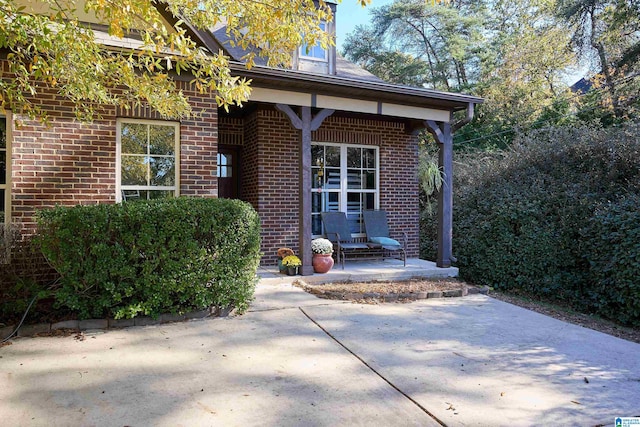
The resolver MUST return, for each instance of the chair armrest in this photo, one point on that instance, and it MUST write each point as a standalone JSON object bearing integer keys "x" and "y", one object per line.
{"x": 335, "y": 241}
{"x": 405, "y": 239}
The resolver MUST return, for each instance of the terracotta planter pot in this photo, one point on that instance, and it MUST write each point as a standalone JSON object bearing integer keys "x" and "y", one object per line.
{"x": 322, "y": 263}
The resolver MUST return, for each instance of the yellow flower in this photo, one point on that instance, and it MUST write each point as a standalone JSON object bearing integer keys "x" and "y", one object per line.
{"x": 291, "y": 261}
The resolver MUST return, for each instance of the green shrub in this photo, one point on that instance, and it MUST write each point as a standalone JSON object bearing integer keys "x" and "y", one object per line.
{"x": 612, "y": 248}
{"x": 150, "y": 257}
{"x": 520, "y": 217}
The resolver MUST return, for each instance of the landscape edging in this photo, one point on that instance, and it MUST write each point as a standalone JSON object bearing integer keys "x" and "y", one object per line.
{"x": 93, "y": 324}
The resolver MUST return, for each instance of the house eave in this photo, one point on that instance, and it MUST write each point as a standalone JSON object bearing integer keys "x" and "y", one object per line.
{"x": 275, "y": 78}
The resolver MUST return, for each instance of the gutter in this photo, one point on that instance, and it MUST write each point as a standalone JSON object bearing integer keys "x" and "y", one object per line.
{"x": 261, "y": 72}
{"x": 470, "y": 112}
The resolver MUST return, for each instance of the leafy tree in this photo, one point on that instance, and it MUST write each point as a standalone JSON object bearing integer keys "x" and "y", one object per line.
{"x": 49, "y": 47}
{"x": 607, "y": 34}
{"x": 522, "y": 82}
{"x": 442, "y": 43}
{"x": 366, "y": 48}
{"x": 512, "y": 53}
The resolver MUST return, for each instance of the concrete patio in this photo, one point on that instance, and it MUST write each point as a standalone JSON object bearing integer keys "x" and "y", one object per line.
{"x": 364, "y": 271}
{"x": 294, "y": 359}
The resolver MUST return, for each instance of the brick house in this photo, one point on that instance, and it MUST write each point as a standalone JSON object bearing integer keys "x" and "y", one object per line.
{"x": 325, "y": 135}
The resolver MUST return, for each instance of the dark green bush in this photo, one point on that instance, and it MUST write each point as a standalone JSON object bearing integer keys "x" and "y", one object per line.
{"x": 150, "y": 257}
{"x": 612, "y": 248}
{"x": 520, "y": 217}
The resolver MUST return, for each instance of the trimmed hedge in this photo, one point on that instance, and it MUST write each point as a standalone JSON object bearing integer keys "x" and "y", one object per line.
{"x": 151, "y": 257}
{"x": 555, "y": 216}
{"x": 612, "y": 249}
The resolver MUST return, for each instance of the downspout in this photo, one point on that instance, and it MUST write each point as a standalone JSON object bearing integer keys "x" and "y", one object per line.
{"x": 467, "y": 119}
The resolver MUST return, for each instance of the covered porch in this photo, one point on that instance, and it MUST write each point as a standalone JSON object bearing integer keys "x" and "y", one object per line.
{"x": 364, "y": 271}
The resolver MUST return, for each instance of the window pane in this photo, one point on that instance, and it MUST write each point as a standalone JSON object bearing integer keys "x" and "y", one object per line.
{"x": 369, "y": 158}
{"x": 155, "y": 194}
{"x": 354, "y": 180}
{"x": 353, "y": 202}
{"x": 332, "y": 179}
{"x": 354, "y": 157}
{"x": 225, "y": 172}
{"x": 3, "y": 132}
{"x": 370, "y": 201}
{"x": 162, "y": 171}
{"x": 317, "y": 155}
{"x": 317, "y": 178}
{"x": 162, "y": 140}
{"x": 129, "y": 195}
{"x": 316, "y": 51}
{"x": 2, "y": 218}
{"x": 134, "y": 170}
{"x": 333, "y": 203}
{"x": 316, "y": 225}
{"x": 225, "y": 159}
{"x": 369, "y": 180}
{"x": 160, "y": 194}
{"x": 325, "y": 202}
{"x": 134, "y": 138}
{"x": 3, "y": 167}
{"x": 332, "y": 156}
{"x": 316, "y": 202}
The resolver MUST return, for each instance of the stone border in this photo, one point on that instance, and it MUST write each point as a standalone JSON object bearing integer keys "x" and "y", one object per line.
{"x": 83, "y": 325}
{"x": 391, "y": 297}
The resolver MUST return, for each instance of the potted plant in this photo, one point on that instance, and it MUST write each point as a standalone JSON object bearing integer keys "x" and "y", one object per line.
{"x": 322, "y": 259}
{"x": 292, "y": 263}
{"x": 282, "y": 254}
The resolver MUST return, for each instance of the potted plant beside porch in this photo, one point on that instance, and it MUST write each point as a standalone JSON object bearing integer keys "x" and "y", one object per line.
{"x": 292, "y": 263}
{"x": 322, "y": 255}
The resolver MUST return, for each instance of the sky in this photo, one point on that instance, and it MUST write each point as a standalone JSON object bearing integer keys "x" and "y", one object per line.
{"x": 350, "y": 14}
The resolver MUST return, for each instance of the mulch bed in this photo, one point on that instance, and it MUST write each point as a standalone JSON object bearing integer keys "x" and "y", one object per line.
{"x": 379, "y": 292}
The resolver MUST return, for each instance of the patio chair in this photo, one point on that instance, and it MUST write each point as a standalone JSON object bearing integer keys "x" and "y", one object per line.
{"x": 337, "y": 231}
{"x": 377, "y": 228}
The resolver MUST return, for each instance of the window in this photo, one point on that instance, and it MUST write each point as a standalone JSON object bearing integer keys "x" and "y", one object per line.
{"x": 5, "y": 170}
{"x": 225, "y": 165}
{"x": 344, "y": 178}
{"x": 147, "y": 159}
{"x": 315, "y": 52}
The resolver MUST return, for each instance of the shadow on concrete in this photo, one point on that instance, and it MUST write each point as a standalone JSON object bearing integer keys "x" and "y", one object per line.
{"x": 479, "y": 361}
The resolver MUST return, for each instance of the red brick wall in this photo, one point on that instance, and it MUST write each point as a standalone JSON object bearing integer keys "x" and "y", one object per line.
{"x": 70, "y": 163}
{"x": 270, "y": 179}
{"x": 249, "y": 163}
{"x": 270, "y": 173}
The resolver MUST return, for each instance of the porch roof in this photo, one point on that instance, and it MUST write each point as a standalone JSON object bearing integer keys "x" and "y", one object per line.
{"x": 364, "y": 89}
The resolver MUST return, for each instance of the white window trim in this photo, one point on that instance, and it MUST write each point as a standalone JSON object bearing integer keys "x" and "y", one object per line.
{"x": 7, "y": 186}
{"x": 344, "y": 177}
{"x": 176, "y": 187}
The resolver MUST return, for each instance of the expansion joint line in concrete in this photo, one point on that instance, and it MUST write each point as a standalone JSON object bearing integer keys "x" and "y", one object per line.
{"x": 422, "y": 408}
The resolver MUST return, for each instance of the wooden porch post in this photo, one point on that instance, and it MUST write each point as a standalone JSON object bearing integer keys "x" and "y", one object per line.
{"x": 444, "y": 137}
{"x": 306, "y": 124}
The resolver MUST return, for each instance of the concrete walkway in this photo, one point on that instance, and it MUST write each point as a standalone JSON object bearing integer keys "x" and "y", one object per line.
{"x": 297, "y": 360}
{"x": 364, "y": 271}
